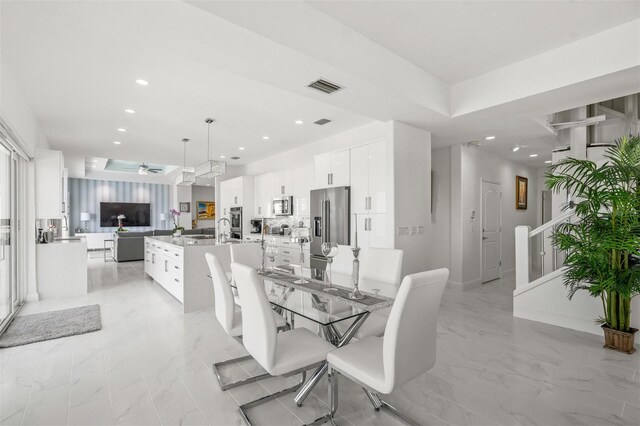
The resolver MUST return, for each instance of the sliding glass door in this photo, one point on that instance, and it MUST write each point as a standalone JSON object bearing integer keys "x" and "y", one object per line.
{"x": 8, "y": 282}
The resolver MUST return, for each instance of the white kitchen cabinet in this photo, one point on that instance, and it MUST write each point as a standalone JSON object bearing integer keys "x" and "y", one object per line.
{"x": 369, "y": 178}
{"x": 373, "y": 231}
{"x": 261, "y": 199}
{"x": 236, "y": 192}
{"x": 50, "y": 185}
{"x": 281, "y": 183}
{"x": 332, "y": 169}
{"x": 302, "y": 182}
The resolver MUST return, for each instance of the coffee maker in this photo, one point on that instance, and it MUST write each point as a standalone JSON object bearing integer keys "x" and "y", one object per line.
{"x": 256, "y": 226}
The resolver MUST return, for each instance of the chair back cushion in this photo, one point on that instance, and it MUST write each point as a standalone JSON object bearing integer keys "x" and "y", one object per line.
{"x": 224, "y": 302}
{"x": 258, "y": 323}
{"x": 248, "y": 254}
{"x": 343, "y": 261}
{"x": 382, "y": 264}
{"x": 409, "y": 346}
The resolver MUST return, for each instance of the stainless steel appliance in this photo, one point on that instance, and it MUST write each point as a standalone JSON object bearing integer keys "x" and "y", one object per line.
{"x": 330, "y": 213}
{"x": 282, "y": 206}
{"x": 236, "y": 223}
{"x": 256, "y": 226}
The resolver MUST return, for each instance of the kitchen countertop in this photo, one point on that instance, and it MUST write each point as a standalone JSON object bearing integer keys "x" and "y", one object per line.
{"x": 66, "y": 241}
{"x": 187, "y": 241}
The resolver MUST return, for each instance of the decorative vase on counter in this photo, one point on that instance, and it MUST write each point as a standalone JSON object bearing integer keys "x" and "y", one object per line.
{"x": 177, "y": 232}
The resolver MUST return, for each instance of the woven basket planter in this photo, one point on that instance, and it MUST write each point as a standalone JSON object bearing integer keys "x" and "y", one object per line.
{"x": 619, "y": 340}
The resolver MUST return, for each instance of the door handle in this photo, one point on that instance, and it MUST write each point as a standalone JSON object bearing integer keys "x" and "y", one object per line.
{"x": 165, "y": 266}
{"x": 484, "y": 238}
{"x": 282, "y": 190}
{"x": 259, "y": 210}
{"x": 327, "y": 224}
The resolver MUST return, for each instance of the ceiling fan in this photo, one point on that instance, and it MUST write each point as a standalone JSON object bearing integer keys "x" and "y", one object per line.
{"x": 143, "y": 169}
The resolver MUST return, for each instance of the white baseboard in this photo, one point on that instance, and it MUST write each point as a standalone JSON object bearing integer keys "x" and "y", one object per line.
{"x": 467, "y": 285}
{"x": 539, "y": 315}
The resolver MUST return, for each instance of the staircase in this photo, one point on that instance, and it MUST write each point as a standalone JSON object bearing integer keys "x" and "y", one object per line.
{"x": 540, "y": 294}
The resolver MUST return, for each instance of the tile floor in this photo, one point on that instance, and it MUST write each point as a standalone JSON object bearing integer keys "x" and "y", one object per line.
{"x": 150, "y": 364}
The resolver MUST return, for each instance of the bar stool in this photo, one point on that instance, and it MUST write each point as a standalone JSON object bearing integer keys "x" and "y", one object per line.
{"x": 229, "y": 316}
{"x": 281, "y": 354}
{"x": 407, "y": 351}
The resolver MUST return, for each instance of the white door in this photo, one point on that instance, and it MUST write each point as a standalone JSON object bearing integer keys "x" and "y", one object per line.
{"x": 287, "y": 182}
{"x": 491, "y": 229}
{"x": 6, "y": 249}
{"x": 359, "y": 179}
{"x": 378, "y": 233}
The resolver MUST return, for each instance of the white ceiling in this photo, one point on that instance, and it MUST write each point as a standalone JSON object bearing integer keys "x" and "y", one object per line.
{"x": 247, "y": 65}
{"x": 458, "y": 40}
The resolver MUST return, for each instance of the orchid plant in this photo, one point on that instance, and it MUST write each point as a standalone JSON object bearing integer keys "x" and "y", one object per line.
{"x": 175, "y": 215}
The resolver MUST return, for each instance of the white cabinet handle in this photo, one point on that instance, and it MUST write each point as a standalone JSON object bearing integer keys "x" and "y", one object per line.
{"x": 259, "y": 210}
{"x": 166, "y": 266}
{"x": 328, "y": 178}
{"x": 282, "y": 190}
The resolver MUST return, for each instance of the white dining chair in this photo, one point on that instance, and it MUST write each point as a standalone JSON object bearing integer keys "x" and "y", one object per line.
{"x": 280, "y": 354}
{"x": 249, "y": 254}
{"x": 407, "y": 351}
{"x": 229, "y": 316}
{"x": 343, "y": 261}
{"x": 384, "y": 266}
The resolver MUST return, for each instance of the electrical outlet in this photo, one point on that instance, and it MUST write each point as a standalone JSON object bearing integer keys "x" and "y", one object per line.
{"x": 420, "y": 230}
{"x": 413, "y": 230}
{"x": 403, "y": 231}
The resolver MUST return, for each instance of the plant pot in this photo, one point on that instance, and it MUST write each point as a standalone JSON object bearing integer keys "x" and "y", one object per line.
{"x": 177, "y": 233}
{"x": 619, "y": 340}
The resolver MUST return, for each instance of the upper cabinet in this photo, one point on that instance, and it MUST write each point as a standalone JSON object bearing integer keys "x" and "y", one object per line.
{"x": 369, "y": 178}
{"x": 302, "y": 183}
{"x": 51, "y": 185}
{"x": 332, "y": 169}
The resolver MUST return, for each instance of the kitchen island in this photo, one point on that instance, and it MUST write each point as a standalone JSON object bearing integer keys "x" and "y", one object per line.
{"x": 179, "y": 266}
{"x": 61, "y": 268}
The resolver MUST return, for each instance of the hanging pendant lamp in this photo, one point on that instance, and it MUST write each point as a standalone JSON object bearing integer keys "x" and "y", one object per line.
{"x": 210, "y": 168}
{"x": 187, "y": 177}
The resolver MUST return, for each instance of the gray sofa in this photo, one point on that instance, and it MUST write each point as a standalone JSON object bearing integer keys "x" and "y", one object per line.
{"x": 130, "y": 245}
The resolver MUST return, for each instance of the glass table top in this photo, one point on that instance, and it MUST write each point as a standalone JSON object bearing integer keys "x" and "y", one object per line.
{"x": 312, "y": 301}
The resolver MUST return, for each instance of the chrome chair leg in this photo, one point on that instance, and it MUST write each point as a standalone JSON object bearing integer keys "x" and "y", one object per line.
{"x": 244, "y": 407}
{"x": 378, "y": 404}
{"x": 225, "y": 386}
{"x": 332, "y": 376}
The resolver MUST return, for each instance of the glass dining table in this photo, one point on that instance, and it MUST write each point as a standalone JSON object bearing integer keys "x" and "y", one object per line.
{"x": 326, "y": 306}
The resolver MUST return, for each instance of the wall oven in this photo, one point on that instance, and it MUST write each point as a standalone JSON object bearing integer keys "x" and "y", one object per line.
{"x": 236, "y": 223}
{"x": 282, "y": 206}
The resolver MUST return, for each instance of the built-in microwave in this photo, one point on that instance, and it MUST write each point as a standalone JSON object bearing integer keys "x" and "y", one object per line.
{"x": 282, "y": 206}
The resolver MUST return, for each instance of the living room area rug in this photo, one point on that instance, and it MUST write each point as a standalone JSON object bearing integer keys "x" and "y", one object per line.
{"x": 51, "y": 325}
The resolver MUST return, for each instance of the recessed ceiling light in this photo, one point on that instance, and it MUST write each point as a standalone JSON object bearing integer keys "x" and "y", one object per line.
{"x": 515, "y": 148}
{"x": 130, "y": 111}
{"x": 208, "y": 184}
{"x": 489, "y": 138}
{"x": 241, "y": 148}
{"x": 548, "y": 162}
{"x": 117, "y": 142}
{"x": 223, "y": 156}
{"x": 142, "y": 82}
{"x": 299, "y": 122}
{"x": 94, "y": 161}
{"x": 533, "y": 155}
{"x": 122, "y": 130}
{"x": 94, "y": 166}
{"x": 266, "y": 138}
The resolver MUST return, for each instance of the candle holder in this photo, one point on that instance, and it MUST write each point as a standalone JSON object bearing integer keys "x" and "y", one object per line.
{"x": 355, "y": 275}
{"x": 301, "y": 235}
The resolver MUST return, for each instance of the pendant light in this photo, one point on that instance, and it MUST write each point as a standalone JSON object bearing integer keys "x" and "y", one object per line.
{"x": 210, "y": 168}
{"x": 187, "y": 177}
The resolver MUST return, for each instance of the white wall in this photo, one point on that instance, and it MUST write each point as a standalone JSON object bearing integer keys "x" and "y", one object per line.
{"x": 469, "y": 167}
{"x": 202, "y": 193}
{"x": 440, "y": 241}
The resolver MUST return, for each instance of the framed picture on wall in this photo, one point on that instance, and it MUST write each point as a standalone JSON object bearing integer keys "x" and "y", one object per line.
{"x": 206, "y": 210}
{"x": 522, "y": 189}
{"x": 185, "y": 207}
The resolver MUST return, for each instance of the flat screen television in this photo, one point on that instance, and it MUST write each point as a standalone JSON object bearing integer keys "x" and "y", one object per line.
{"x": 135, "y": 214}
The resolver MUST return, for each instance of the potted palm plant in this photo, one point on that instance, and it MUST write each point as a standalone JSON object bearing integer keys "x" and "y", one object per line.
{"x": 603, "y": 244}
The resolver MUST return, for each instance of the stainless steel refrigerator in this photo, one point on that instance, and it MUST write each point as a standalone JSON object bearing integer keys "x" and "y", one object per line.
{"x": 330, "y": 213}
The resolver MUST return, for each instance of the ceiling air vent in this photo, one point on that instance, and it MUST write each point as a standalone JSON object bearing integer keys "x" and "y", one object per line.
{"x": 322, "y": 122}
{"x": 324, "y": 86}
{"x": 235, "y": 158}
